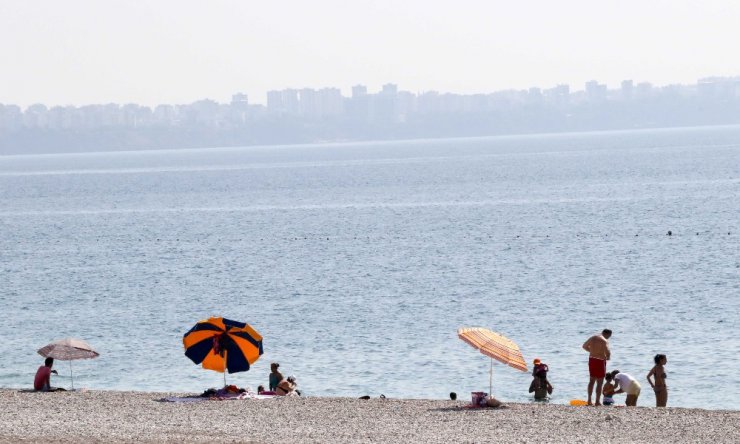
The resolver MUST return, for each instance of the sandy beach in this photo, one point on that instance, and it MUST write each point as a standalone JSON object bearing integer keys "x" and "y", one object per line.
{"x": 107, "y": 416}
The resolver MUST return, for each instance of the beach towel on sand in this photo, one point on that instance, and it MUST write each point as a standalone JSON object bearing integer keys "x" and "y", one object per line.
{"x": 220, "y": 397}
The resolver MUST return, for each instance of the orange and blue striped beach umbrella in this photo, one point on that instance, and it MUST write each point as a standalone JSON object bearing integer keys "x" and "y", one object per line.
{"x": 223, "y": 345}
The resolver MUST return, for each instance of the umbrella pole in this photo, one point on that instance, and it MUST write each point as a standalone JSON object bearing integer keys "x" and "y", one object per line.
{"x": 226, "y": 367}
{"x": 490, "y": 380}
{"x": 71, "y": 375}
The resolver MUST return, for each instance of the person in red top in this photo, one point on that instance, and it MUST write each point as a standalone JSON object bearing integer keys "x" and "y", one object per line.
{"x": 42, "y": 381}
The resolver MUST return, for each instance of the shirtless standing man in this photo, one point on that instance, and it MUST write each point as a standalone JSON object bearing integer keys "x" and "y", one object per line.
{"x": 597, "y": 347}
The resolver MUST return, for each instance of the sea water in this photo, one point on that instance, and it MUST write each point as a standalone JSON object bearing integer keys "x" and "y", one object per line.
{"x": 359, "y": 262}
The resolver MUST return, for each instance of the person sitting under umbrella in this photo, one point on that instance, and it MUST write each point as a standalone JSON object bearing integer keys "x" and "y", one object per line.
{"x": 42, "y": 381}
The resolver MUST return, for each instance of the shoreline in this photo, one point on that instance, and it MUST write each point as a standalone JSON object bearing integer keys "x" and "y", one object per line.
{"x": 119, "y": 416}
{"x": 360, "y": 141}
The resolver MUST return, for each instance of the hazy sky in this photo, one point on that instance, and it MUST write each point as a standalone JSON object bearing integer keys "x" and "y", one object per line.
{"x": 177, "y": 51}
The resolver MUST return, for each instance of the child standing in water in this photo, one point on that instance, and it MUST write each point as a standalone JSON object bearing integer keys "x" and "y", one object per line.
{"x": 540, "y": 385}
{"x": 659, "y": 386}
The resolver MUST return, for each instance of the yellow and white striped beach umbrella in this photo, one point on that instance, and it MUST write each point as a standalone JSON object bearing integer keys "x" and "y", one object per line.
{"x": 495, "y": 346}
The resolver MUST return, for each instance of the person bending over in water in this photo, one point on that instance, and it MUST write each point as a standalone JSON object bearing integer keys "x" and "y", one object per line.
{"x": 42, "y": 381}
{"x": 659, "y": 386}
{"x": 597, "y": 347}
{"x": 627, "y": 384}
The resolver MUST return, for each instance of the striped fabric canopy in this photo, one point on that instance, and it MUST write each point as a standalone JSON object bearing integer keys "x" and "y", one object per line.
{"x": 494, "y": 345}
{"x": 223, "y": 345}
{"x": 68, "y": 349}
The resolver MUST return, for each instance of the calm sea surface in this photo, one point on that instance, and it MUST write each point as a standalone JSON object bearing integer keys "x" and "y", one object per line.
{"x": 358, "y": 262}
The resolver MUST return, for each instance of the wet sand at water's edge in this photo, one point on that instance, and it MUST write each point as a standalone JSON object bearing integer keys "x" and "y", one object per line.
{"x": 108, "y": 416}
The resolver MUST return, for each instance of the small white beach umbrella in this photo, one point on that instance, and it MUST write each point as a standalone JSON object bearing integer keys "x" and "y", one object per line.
{"x": 68, "y": 349}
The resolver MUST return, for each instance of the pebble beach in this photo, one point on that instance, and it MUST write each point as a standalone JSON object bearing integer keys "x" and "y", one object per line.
{"x": 111, "y": 416}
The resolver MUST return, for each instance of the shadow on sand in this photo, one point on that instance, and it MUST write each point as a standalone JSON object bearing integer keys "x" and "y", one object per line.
{"x": 467, "y": 408}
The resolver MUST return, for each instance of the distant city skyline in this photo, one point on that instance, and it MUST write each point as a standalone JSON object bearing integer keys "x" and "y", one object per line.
{"x": 80, "y": 52}
{"x": 593, "y": 86}
{"x": 308, "y": 115}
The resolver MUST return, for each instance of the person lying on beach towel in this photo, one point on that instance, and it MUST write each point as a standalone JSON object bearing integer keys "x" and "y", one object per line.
{"x": 227, "y": 393}
{"x": 492, "y": 402}
{"x": 481, "y": 399}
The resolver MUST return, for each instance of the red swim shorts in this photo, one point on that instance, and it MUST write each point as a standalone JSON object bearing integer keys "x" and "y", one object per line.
{"x": 596, "y": 367}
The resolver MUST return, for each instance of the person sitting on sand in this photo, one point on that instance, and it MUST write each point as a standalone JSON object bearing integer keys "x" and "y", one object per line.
{"x": 275, "y": 376}
{"x": 287, "y": 387}
{"x": 42, "y": 381}
{"x": 540, "y": 385}
{"x": 659, "y": 386}
{"x": 627, "y": 384}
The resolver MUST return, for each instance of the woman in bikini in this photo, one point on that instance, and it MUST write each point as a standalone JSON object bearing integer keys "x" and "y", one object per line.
{"x": 275, "y": 376}
{"x": 659, "y": 387}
